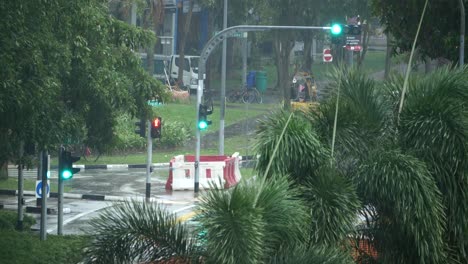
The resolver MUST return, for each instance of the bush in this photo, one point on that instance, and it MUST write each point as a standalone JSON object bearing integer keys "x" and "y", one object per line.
{"x": 8, "y": 220}
{"x": 174, "y": 134}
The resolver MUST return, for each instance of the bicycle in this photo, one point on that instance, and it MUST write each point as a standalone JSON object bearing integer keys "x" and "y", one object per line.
{"x": 248, "y": 95}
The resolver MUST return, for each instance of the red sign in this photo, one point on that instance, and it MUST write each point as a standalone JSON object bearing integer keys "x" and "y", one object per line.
{"x": 353, "y": 48}
{"x": 327, "y": 57}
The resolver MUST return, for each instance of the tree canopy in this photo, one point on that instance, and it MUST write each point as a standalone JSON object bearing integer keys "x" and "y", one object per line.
{"x": 440, "y": 32}
{"x": 68, "y": 69}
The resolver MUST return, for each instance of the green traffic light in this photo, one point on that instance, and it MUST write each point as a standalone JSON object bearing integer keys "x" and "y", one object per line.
{"x": 66, "y": 175}
{"x": 202, "y": 125}
{"x": 336, "y": 29}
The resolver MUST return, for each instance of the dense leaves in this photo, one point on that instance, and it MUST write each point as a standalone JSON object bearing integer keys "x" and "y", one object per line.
{"x": 300, "y": 152}
{"x": 68, "y": 70}
{"x": 409, "y": 209}
{"x": 251, "y": 222}
{"x": 135, "y": 231}
{"x": 440, "y": 32}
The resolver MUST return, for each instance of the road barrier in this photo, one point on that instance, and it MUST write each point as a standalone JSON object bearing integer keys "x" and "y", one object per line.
{"x": 221, "y": 171}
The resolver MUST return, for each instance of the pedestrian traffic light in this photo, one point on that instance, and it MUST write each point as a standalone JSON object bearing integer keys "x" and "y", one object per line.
{"x": 336, "y": 31}
{"x": 141, "y": 128}
{"x": 156, "y": 127}
{"x": 66, "y": 160}
{"x": 204, "y": 111}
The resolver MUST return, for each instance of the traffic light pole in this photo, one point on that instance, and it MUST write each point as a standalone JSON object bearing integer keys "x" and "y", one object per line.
{"x": 19, "y": 223}
{"x": 43, "y": 168}
{"x": 206, "y": 52}
{"x": 60, "y": 195}
{"x": 149, "y": 159}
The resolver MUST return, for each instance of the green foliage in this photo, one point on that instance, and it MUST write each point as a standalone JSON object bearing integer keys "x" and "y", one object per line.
{"x": 8, "y": 220}
{"x": 300, "y": 152}
{"x": 312, "y": 256}
{"x": 434, "y": 126}
{"x": 24, "y": 247}
{"x": 175, "y": 134}
{"x": 69, "y": 82}
{"x": 364, "y": 118}
{"x": 333, "y": 203}
{"x": 441, "y": 27}
{"x": 241, "y": 230}
{"x": 410, "y": 219}
{"x": 132, "y": 231}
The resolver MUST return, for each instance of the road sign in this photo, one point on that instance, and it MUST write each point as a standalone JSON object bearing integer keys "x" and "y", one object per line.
{"x": 353, "y": 48}
{"x": 39, "y": 189}
{"x": 327, "y": 56}
{"x": 353, "y": 40}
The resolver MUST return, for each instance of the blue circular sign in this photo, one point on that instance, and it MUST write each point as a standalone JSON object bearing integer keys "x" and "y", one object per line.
{"x": 39, "y": 189}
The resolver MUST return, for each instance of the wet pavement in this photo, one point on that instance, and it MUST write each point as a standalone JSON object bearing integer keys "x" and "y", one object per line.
{"x": 119, "y": 185}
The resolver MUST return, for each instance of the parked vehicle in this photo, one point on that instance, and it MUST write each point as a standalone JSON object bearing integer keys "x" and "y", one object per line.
{"x": 171, "y": 64}
{"x": 161, "y": 63}
{"x": 190, "y": 72}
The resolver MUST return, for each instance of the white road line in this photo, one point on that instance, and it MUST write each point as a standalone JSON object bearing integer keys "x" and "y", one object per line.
{"x": 184, "y": 208}
{"x": 74, "y": 218}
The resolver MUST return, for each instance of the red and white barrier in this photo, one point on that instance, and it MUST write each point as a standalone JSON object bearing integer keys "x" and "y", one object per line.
{"x": 222, "y": 171}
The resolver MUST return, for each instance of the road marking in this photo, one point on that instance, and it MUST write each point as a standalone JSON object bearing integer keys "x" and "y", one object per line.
{"x": 74, "y": 218}
{"x": 186, "y": 216}
{"x": 184, "y": 208}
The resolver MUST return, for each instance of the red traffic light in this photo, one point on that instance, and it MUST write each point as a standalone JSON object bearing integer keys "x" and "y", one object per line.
{"x": 156, "y": 122}
{"x": 156, "y": 127}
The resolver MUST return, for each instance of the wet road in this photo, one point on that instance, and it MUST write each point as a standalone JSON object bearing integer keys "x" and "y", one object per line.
{"x": 117, "y": 184}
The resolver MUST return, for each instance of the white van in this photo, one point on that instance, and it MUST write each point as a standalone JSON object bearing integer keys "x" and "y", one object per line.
{"x": 190, "y": 73}
{"x": 161, "y": 63}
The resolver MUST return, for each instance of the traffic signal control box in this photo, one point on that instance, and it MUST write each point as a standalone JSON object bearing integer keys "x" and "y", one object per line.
{"x": 141, "y": 128}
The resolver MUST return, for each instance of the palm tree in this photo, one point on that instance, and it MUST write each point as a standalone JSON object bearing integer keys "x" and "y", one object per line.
{"x": 256, "y": 221}
{"x": 409, "y": 174}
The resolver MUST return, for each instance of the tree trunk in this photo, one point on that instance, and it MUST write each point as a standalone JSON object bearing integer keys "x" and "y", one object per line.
{"x": 388, "y": 56}
{"x": 365, "y": 44}
{"x": 4, "y": 171}
{"x": 308, "y": 51}
{"x": 283, "y": 47}
{"x": 183, "y": 39}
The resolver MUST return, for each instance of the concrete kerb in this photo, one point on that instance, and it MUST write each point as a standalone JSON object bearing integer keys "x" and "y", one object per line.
{"x": 117, "y": 167}
{"x": 94, "y": 197}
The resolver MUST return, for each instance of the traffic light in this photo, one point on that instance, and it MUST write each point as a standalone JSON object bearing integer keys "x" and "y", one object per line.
{"x": 336, "y": 31}
{"x": 204, "y": 111}
{"x": 352, "y": 30}
{"x": 156, "y": 127}
{"x": 66, "y": 160}
{"x": 141, "y": 128}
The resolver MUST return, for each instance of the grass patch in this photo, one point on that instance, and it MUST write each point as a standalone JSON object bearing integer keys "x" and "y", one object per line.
{"x": 26, "y": 247}
{"x": 29, "y": 185}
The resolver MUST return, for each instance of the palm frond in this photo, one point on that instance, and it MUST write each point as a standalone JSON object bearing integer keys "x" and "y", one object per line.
{"x": 364, "y": 118}
{"x": 333, "y": 204}
{"x": 242, "y": 231}
{"x": 434, "y": 126}
{"x": 311, "y": 256}
{"x": 133, "y": 231}
{"x": 410, "y": 222}
{"x": 299, "y": 153}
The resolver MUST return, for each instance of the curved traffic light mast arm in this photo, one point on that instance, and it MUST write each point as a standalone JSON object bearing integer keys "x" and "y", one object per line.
{"x": 206, "y": 52}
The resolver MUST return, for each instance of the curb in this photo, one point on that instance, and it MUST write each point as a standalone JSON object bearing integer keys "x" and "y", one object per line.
{"x": 92, "y": 197}
{"x": 129, "y": 166}
{"x": 65, "y": 195}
